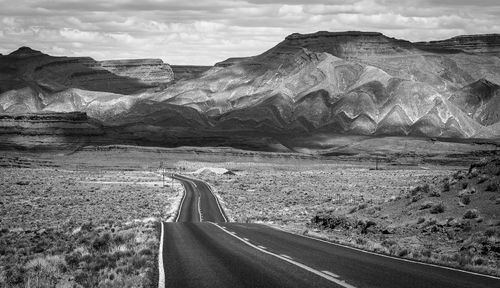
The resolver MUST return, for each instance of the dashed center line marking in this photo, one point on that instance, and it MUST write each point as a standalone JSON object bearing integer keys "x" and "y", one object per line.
{"x": 330, "y": 273}
{"x": 286, "y": 256}
{"x": 293, "y": 262}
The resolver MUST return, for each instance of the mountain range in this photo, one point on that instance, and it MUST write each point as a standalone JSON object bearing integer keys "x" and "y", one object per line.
{"x": 324, "y": 83}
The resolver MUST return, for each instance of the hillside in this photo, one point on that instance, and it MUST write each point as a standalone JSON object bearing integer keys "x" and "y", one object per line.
{"x": 336, "y": 83}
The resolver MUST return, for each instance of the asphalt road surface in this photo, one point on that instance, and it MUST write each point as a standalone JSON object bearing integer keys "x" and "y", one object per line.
{"x": 201, "y": 249}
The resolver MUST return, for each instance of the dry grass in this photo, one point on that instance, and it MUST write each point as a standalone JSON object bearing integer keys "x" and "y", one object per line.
{"x": 78, "y": 225}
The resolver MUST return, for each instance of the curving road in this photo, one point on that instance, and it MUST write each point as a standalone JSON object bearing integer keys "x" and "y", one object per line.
{"x": 203, "y": 250}
{"x": 199, "y": 203}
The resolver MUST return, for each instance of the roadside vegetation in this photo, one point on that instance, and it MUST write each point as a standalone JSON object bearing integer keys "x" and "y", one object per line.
{"x": 443, "y": 215}
{"x": 80, "y": 225}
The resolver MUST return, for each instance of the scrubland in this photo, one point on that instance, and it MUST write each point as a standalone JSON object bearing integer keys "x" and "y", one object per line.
{"x": 67, "y": 223}
{"x": 90, "y": 219}
{"x": 447, "y": 215}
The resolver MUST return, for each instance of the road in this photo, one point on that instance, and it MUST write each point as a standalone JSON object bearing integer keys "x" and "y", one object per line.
{"x": 201, "y": 249}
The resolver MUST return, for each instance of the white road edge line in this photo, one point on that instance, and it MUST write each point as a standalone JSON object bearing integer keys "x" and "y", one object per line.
{"x": 300, "y": 265}
{"x": 161, "y": 269}
{"x": 386, "y": 256}
{"x": 180, "y": 206}
{"x": 199, "y": 209}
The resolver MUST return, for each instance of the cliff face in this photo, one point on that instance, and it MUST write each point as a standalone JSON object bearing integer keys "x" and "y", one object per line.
{"x": 47, "y": 130}
{"x": 149, "y": 71}
{"x": 187, "y": 72}
{"x": 48, "y": 74}
{"x": 486, "y": 44}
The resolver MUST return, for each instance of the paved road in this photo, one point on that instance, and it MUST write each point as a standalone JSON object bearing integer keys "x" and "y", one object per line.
{"x": 199, "y": 203}
{"x": 214, "y": 253}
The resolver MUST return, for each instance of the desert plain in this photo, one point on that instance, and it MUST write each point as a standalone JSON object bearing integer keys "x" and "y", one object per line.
{"x": 91, "y": 217}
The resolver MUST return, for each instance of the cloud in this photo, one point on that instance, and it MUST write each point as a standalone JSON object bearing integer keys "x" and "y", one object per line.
{"x": 208, "y": 31}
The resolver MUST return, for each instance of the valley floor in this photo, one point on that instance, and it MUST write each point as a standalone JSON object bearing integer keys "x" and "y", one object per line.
{"x": 92, "y": 214}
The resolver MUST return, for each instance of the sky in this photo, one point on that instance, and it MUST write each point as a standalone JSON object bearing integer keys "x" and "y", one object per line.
{"x": 203, "y": 32}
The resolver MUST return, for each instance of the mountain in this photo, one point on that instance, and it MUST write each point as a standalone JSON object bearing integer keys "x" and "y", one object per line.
{"x": 47, "y": 74}
{"x": 324, "y": 83}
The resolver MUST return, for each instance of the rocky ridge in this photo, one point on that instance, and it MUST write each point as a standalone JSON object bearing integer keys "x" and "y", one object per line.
{"x": 348, "y": 83}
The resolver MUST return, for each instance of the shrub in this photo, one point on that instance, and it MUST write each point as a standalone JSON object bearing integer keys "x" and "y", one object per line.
{"x": 435, "y": 193}
{"x": 490, "y": 232}
{"x": 403, "y": 252}
{"x": 362, "y": 206}
{"x": 465, "y": 199}
{"x": 464, "y": 185}
{"x": 427, "y": 253}
{"x": 417, "y": 197}
{"x": 482, "y": 179}
{"x": 426, "y": 205}
{"x": 420, "y": 220}
{"x": 458, "y": 175}
{"x": 438, "y": 208}
{"x": 463, "y": 259}
{"x": 446, "y": 186}
{"x": 73, "y": 259}
{"x": 102, "y": 243}
{"x": 44, "y": 272}
{"x": 471, "y": 214}
{"x": 492, "y": 187}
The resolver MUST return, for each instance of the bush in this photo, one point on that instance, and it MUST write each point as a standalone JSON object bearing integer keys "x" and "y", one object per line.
{"x": 426, "y": 205}
{"x": 438, "y": 208}
{"x": 490, "y": 232}
{"x": 471, "y": 214}
{"x": 332, "y": 221}
{"x": 482, "y": 179}
{"x": 427, "y": 253}
{"x": 463, "y": 260}
{"x": 403, "y": 252}
{"x": 102, "y": 243}
{"x": 446, "y": 187}
{"x": 73, "y": 259}
{"x": 417, "y": 197}
{"x": 465, "y": 199}
{"x": 492, "y": 187}
{"x": 420, "y": 220}
{"x": 435, "y": 193}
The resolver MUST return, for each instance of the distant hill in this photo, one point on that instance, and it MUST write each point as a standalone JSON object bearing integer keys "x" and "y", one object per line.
{"x": 348, "y": 83}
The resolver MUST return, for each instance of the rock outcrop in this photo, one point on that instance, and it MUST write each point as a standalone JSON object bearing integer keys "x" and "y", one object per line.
{"x": 149, "y": 71}
{"x": 47, "y": 130}
{"x": 486, "y": 44}
{"x": 47, "y": 74}
{"x": 187, "y": 72}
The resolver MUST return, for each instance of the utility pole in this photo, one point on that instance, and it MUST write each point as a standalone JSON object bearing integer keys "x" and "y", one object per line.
{"x": 162, "y": 173}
